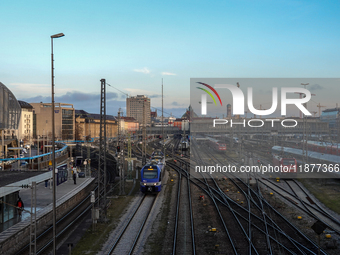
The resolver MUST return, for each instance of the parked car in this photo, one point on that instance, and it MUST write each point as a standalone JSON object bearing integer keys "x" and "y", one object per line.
{"x": 81, "y": 175}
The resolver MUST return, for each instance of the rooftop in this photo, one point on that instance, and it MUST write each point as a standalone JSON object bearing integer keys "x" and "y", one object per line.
{"x": 331, "y": 110}
{"x": 25, "y": 105}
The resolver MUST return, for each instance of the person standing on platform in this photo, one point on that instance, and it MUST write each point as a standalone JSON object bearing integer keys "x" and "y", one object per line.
{"x": 74, "y": 177}
{"x": 20, "y": 206}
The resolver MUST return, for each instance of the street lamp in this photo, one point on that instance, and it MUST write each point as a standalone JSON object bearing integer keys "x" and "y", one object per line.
{"x": 53, "y": 145}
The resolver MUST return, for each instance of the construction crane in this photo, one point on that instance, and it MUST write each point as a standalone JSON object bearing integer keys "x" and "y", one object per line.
{"x": 319, "y": 106}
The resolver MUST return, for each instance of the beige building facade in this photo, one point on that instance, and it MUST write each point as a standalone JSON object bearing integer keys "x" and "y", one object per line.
{"x": 64, "y": 115}
{"x": 88, "y": 125}
{"x": 136, "y": 106}
{"x": 25, "y": 129}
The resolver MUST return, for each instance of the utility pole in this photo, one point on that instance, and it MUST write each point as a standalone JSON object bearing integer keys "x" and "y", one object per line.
{"x": 102, "y": 151}
{"x": 3, "y": 149}
{"x": 129, "y": 157}
{"x": 120, "y": 160}
{"x": 163, "y": 149}
{"x": 337, "y": 130}
{"x": 88, "y": 156}
{"x": 144, "y": 135}
{"x": 304, "y": 144}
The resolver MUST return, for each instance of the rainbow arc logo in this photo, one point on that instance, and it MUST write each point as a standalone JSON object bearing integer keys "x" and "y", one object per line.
{"x": 209, "y": 93}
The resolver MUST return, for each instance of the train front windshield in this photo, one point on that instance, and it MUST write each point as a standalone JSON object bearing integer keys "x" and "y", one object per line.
{"x": 288, "y": 162}
{"x": 157, "y": 154}
{"x": 150, "y": 174}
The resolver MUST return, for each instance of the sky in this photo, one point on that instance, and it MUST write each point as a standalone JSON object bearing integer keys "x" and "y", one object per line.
{"x": 136, "y": 44}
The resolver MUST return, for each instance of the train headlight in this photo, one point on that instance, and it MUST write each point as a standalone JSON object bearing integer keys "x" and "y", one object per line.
{"x": 155, "y": 184}
{"x": 144, "y": 184}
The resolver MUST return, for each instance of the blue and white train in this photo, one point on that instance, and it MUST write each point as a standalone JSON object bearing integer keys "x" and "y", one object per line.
{"x": 152, "y": 173}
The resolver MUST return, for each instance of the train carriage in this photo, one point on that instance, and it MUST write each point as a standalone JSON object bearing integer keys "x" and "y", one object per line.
{"x": 217, "y": 145}
{"x": 314, "y": 157}
{"x": 324, "y": 147}
{"x": 152, "y": 173}
{"x": 288, "y": 164}
{"x": 151, "y": 178}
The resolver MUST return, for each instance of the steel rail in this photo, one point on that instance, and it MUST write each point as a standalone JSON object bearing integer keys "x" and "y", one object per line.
{"x": 125, "y": 227}
{"x": 286, "y": 221}
{"x": 141, "y": 228}
{"x": 177, "y": 212}
{"x": 307, "y": 211}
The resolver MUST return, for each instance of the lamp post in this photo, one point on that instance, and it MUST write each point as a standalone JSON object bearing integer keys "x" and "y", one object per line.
{"x": 53, "y": 146}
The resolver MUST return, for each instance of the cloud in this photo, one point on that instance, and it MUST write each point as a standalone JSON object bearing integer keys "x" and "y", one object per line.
{"x": 86, "y": 101}
{"x": 175, "y": 103}
{"x": 77, "y": 96}
{"x": 144, "y": 70}
{"x": 155, "y": 96}
{"x": 167, "y": 73}
{"x": 26, "y": 88}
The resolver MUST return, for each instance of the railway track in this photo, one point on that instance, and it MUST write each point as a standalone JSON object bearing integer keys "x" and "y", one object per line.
{"x": 295, "y": 194}
{"x": 184, "y": 234}
{"x": 125, "y": 241}
{"x": 257, "y": 228}
{"x": 258, "y": 218}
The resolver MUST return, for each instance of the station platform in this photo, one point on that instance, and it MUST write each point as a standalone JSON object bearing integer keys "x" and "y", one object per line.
{"x": 44, "y": 199}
